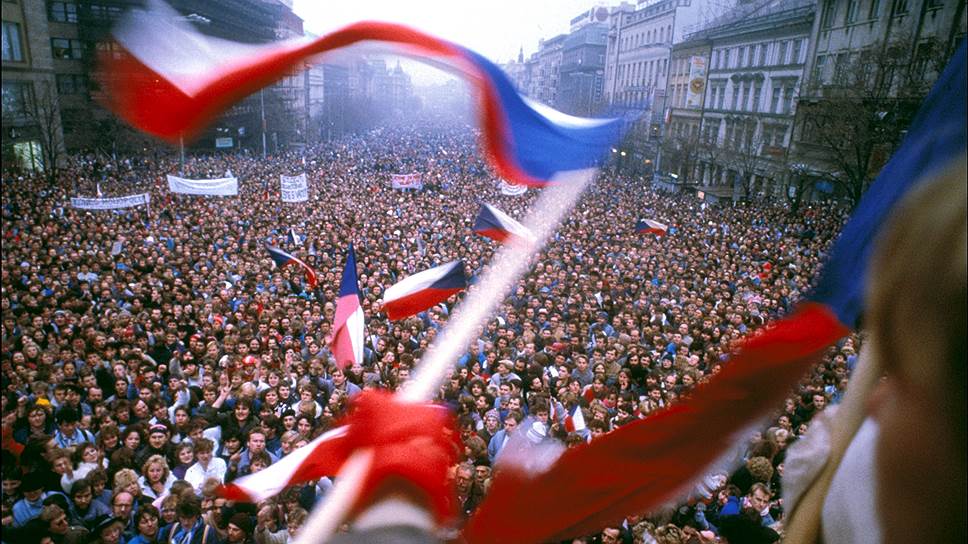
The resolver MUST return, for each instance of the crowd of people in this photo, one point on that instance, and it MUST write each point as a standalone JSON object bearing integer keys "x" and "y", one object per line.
{"x": 153, "y": 353}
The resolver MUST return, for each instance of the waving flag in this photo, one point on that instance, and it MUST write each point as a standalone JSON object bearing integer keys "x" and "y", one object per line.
{"x": 497, "y": 225}
{"x": 649, "y": 226}
{"x": 422, "y": 290}
{"x": 347, "y": 343}
{"x": 172, "y": 82}
{"x": 321, "y": 457}
{"x": 650, "y": 460}
{"x": 281, "y": 258}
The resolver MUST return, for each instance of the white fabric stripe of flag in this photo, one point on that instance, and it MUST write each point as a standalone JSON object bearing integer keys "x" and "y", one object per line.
{"x": 354, "y": 324}
{"x": 417, "y": 282}
{"x": 271, "y": 480}
{"x": 656, "y": 225}
{"x": 513, "y": 226}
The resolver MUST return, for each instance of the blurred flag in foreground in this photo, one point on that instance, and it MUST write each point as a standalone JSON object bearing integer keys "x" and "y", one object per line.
{"x": 173, "y": 81}
{"x": 640, "y": 466}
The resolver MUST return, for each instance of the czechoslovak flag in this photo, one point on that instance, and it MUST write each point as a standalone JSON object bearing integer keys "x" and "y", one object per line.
{"x": 650, "y": 226}
{"x": 281, "y": 258}
{"x": 422, "y": 290}
{"x": 575, "y": 421}
{"x": 347, "y": 343}
{"x": 499, "y": 226}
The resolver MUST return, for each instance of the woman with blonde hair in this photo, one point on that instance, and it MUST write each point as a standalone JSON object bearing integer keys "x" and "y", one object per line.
{"x": 156, "y": 478}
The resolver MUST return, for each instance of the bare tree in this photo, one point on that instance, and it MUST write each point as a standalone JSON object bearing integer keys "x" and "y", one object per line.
{"x": 852, "y": 122}
{"x": 745, "y": 152}
{"x": 45, "y": 114}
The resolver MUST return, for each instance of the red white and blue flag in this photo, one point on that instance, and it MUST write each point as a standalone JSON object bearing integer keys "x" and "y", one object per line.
{"x": 575, "y": 421}
{"x": 499, "y": 226}
{"x": 281, "y": 258}
{"x": 651, "y": 226}
{"x": 422, "y": 290}
{"x": 171, "y": 81}
{"x": 651, "y": 459}
{"x": 348, "y": 332}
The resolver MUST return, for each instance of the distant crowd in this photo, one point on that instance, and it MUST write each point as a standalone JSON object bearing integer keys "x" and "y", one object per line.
{"x": 152, "y": 353}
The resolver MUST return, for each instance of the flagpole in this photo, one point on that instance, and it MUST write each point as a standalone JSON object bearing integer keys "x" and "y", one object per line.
{"x": 511, "y": 262}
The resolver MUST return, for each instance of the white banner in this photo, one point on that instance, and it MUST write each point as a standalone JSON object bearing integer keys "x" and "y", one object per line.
{"x": 696, "y": 87}
{"x": 115, "y": 203}
{"x": 294, "y": 188}
{"x": 207, "y": 187}
{"x": 511, "y": 189}
{"x": 406, "y": 181}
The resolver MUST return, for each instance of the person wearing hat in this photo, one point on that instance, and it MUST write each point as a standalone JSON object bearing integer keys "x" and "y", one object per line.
{"x": 158, "y": 444}
{"x": 68, "y": 434}
{"x": 107, "y": 530}
{"x": 32, "y": 503}
{"x": 239, "y": 530}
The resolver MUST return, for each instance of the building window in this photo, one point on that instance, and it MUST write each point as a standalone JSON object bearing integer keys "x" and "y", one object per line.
{"x": 16, "y": 97}
{"x": 782, "y": 56}
{"x": 875, "y": 9}
{"x": 749, "y": 56}
{"x": 735, "y": 97}
{"x": 901, "y": 7}
{"x": 853, "y": 6}
{"x": 111, "y": 48}
{"x": 63, "y": 48}
{"x": 763, "y": 51}
{"x": 935, "y": 4}
{"x": 757, "y": 96}
{"x": 788, "y": 99}
{"x": 71, "y": 84}
{"x": 12, "y": 46}
{"x": 795, "y": 54}
{"x": 775, "y": 100}
{"x": 62, "y": 12}
{"x": 818, "y": 69}
{"x": 827, "y": 14}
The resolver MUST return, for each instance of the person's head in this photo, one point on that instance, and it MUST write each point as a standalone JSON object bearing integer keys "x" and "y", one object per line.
{"x": 122, "y": 504}
{"x": 239, "y": 528}
{"x": 56, "y": 519}
{"x": 188, "y": 511}
{"x": 295, "y": 520}
{"x": 32, "y": 486}
{"x": 155, "y": 470}
{"x": 611, "y": 535}
{"x": 147, "y": 521}
{"x": 82, "y": 494}
{"x": 203, "y": 449}
{"x": 109, "y": 530}
{"x": 759, "y": 497}
{"x": 67, "y": 418}
{"x": 916, "y": 316}
{"x": 257, "y": 440}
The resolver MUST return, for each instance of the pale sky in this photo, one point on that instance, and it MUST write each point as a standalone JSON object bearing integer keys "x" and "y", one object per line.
{"x": 494, "y": 28}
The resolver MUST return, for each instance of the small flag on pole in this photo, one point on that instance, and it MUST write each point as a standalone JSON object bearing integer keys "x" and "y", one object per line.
{"x": 650, "y": 226}
{"x": 281, "y": 258}
{"x": 347, "y": 342}
{"x": 494, "y": 224}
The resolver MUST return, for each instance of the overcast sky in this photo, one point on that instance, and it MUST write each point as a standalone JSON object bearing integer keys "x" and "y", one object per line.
{"x": 494, "y": 28}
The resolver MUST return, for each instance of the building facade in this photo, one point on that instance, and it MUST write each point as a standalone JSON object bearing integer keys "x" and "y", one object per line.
{"x": 32, "y": 130}
{"x": 582, "y": 70}
{"x": 545, "y": 71}
{"x": 640, "y": 41}
{"x": 53, "y": 46}
{"x": 869, "y": 65}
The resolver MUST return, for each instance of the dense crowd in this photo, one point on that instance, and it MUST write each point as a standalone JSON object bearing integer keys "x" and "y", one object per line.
{"x": 150, "y": 354}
